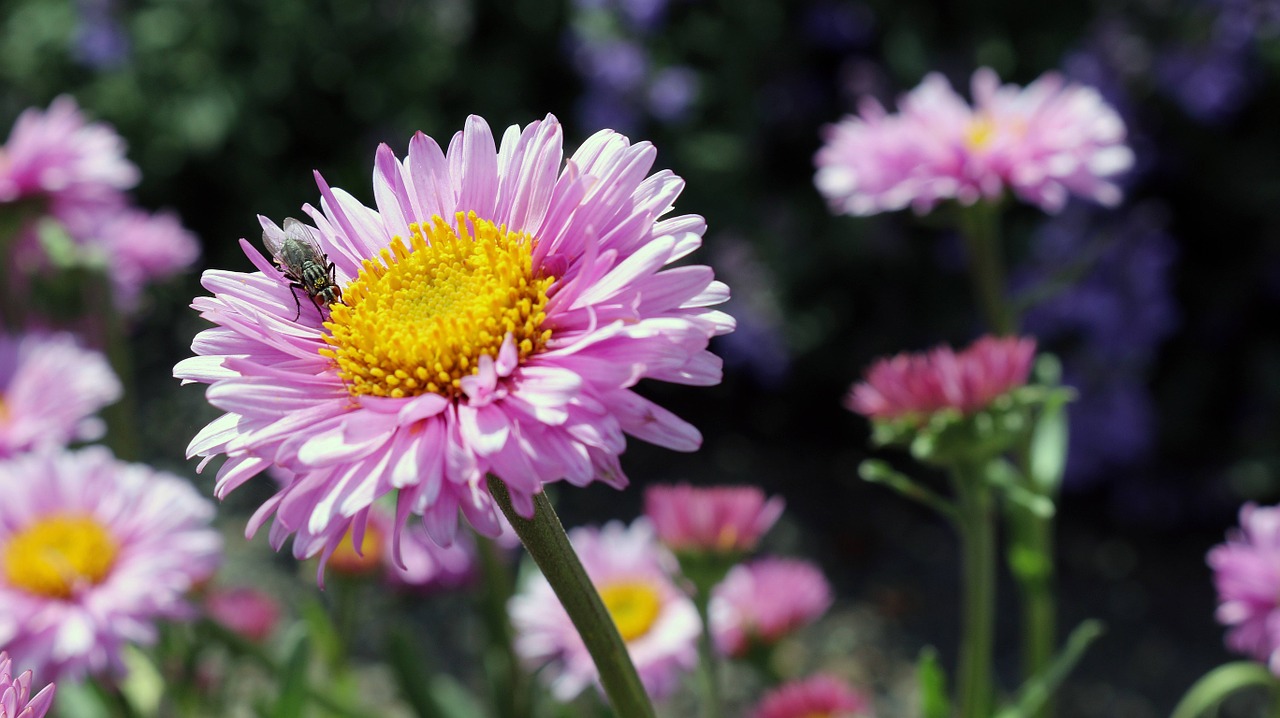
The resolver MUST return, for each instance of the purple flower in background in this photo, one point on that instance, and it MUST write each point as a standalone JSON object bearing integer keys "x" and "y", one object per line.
{"x": 1246, "y": 572}
{"x": 838, "y": 25}
{"x": 672, "y": 92}
{"x": 758, "y": 346}
{"x": 101, "y": 41}
{"x": 1210, "y": 83}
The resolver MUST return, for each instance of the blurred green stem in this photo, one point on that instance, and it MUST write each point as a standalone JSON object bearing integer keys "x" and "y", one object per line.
{"x": 544, "y": 537}
{"x": 980, "y": 225}
{"x": 708, "y": 662}
{"x": 510, "y": 682}
{"x": 978, "y": 543}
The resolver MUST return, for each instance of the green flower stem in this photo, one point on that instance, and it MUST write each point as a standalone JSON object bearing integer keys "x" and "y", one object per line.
{"x": 980, "y": 225}
{"x": 544, "y": 537}
{"x": 977, "y": 637}
{"x": 1031, "y": 537}
{"x": 510, "y": 682}
{"x": 708, "y": 662}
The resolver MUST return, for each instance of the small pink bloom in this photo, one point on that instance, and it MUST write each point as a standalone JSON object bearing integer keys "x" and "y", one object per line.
{"x": 15, "y": 693}
{"x": 50, "y": 389}
{"x": 57, "y": 155}
{"x": 821, "y": 696}
{"x": 426, "y": 566}
{"x": 140, "y": 248}
{"x": 764, "y": 600}
{"x": 1246, "y": 572}
{"x": 247, "y": 611}
{"x": 657, "y": 621}
{"x": 916, "y": 385}
{"x": 718, "y": 519}
{"x": 1044, "y": 142}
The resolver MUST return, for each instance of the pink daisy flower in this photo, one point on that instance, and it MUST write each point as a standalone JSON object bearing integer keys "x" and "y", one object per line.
{"x": 1045, "y": 142}
{"x": 722, "y": 519}
{"x": 249, "y": 612}
{"x": 497, "y": 309}
{"x": 658, "y": 623}
{"x": 56, "y": 154}
{"x": 913, "y": 386}
{"x": 818, "y": 697}
{"x": 140, "y": 248}
{"x": 50, "y": 389}
{"x": 411, "y": 562}
{"x": 1246, "y": 572}
{"x": 16, "y": 700}
{"x": 93, "y": 552}
{"x": 763, "y": 601}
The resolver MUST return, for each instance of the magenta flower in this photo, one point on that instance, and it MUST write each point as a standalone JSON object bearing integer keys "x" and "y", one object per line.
{"x": 424, "y": 565}
{"x": 913, "y": 386}
{"x": 16, "y": 700}
{"x": 1246, "y": 572}
{"x": 56, "y": 155}
{"x": 658, "y": 623}
{"x": 140, "y": 248}
{"x": 818, "y": 697}
{"x": 50, "y": 389}
{"x": 765, "y": 600}
{"x": 93, "y": 552}
{"x": 247, "y": 611}
{"x": 497, "y": 307}
{"x": 1045, "y": 142}
{"x": 723, "y": 519}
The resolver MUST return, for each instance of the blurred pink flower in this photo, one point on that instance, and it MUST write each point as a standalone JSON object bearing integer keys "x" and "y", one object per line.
{"x": 657, "y": 621}
{"x": 56, "y": 154}
{"x": 821, "y": 696}
{"x": 1044, "y": 142}
{"x": 715, "y": 519}
{"x": 247, "y": 611}
{"x": 498, "y": 307}
{"x": 93, "y": 552}
{"x": 916, "y": 385}
{"x": 140, "y": 248}
{"x": 49, "y": 390}
{"x": 764, "y": 600}
{"x": 1246, "y": 572}
{"x": 16, "y": 700}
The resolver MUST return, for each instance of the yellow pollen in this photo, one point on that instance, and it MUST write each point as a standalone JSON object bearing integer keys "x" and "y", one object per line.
{"x": 633, "y": 605}
{"x": 418, "y": 317}
{"x": 59, "y": 555}
{"x": 980, "y": 133}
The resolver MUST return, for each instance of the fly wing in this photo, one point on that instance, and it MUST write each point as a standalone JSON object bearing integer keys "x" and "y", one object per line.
{"x": 273, "y": 236}
{"x": 301, "y": 233}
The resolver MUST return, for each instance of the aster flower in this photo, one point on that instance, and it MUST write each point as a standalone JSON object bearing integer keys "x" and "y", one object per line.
{"x": 913, "y": 386}
{"x": 818, "y": 697}
{"x": 497, "y": 310}
{"x": 140, "y": 247}
{"x": 247, "y": 611}
{"x": 16, "y": 700}
{"x": 57, "y": 155}
{"x": 49, "y": 390}
{"x": 93, "y": 552}
{"x": 1246, "y": 572}
{"x": 1045, "y": 142}
{"x": 760, "y": 602}
{"x": 658, "y": 623}
{"x": 721, "y": 519}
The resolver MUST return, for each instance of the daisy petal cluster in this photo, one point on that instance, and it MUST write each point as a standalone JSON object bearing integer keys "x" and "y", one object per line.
{"x": 1246, "y": 572}
{"x": 93, "y": 552}
{"x": 249, "y": 612}
{"x": 820, "y": 696}
{"x": 75, "y": 173}
{"x": 16, "y": 700}
{"x": 723, "y": 519}
{"x": 1045, "y": 143}
{"x": 658, "y": 623}
{"x": 913, "y": 386}
{"x": 499, "y": 303}
{"x": 50, "y": 389}
{"x": 762, "y": 601}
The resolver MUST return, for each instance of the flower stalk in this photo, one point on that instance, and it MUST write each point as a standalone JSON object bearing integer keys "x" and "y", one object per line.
{"x": 976, "y": 525}
{"x": 545, "y": 539}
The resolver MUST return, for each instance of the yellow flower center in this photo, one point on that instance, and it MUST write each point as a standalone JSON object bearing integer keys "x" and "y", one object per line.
{"x": 58, "y": 555}
{"x": 418, "y": 318}
{"x": 633, "y": 605}
{"x": 980, "y": 132}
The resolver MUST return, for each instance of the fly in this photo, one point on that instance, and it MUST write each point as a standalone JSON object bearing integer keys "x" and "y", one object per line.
{"x": 304, "y": 264}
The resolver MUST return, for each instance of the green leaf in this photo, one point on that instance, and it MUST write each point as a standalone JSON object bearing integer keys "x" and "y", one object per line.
{"x": 879, "y": 472}
{"x": 1035, "y": 693}
{"x": 292, "y": 678}
{"x": 932, "y": 681}
{"x": 1219, "y": 683}
{"x": 1049, "y": 438}
{"x": 410, "y": 669}
{"x": 454, "y": 700}
{"x": 1004, "y": 476}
